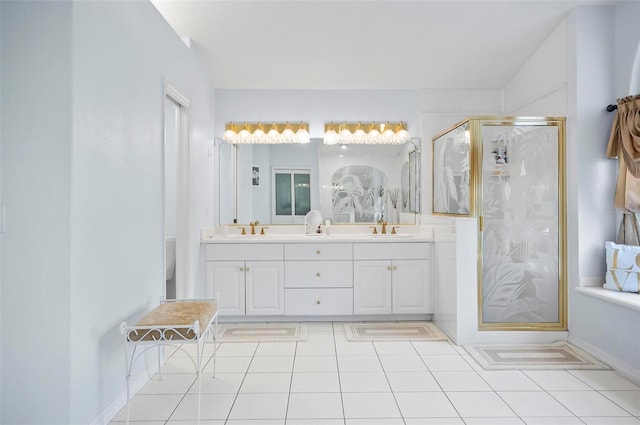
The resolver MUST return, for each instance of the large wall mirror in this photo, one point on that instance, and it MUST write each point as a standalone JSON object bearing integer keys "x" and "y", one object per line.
{"x": 356, "y": 183}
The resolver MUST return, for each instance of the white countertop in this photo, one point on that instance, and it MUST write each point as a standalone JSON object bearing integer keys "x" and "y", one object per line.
{"x": 276, "y": 238}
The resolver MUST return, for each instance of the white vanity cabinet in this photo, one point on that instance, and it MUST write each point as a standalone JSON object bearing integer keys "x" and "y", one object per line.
{"x": 247, "y": 278}
{"x": 318, "y": 279}
{"x": 392, "y": 278}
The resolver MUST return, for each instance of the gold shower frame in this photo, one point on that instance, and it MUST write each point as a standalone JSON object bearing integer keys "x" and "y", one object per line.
{"x": 475, "y": 210}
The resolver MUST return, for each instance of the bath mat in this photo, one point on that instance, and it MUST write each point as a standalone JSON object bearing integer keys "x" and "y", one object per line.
{"x": 405, "y": 331}
{"x": 262, "y": 333}
{"x": 559, "y": 355}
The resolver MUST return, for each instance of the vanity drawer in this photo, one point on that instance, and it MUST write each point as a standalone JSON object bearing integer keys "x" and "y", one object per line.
{"x": 318, "y": 274}
{"x": 318, "y": 251}
{"x": 315, "y": 302}
{"x": 244, "y": 251}
{"x": 392, "y": 251}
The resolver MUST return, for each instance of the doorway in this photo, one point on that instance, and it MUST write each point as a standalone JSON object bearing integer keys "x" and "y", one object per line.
{"x": 177, "y": 196}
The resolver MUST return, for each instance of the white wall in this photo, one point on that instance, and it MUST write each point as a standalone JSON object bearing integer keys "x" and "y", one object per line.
{"x": 81, "y": 172}
{"x": 539, "y": 88}
{"x": 36, "y": 160}
{"x": 601, "y": 39}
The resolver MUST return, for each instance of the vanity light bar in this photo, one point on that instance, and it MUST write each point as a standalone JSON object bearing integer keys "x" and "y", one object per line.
{"x": 260, "y": 133}
{"x": 365, "y": 133}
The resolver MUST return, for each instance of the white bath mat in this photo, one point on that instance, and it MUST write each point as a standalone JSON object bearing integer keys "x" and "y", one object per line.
{"x": 390, "y": 331}
{"x": 244, "y": 332}
{"x": 559, "y": 355}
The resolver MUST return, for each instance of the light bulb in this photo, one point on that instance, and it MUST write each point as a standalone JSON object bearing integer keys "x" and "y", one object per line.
{"x": 330, "y": 137}
{"x": 302, "y": 135}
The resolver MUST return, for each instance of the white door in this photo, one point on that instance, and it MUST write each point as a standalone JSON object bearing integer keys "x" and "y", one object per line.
{"x": 372, "y": 287}
{"x": 411, "y": 287}
{"x": 265, "y": 287}
{"x": 226, "y": 280}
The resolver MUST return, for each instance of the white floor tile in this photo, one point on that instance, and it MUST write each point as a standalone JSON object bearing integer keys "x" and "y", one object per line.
{"x": 479, "y": 405}
{"x": 402, "y": 363}
{"x": 359, "y": 364}
{"x": 355, "y": 349}
{"x": 316, "y": 349}
{"x": 370, "y": 405}
{"x": 533, "y": 404}
{"x": 608, "y": 420}
{"x": 266, "y": 383}
{"x": 493, "y": 421}
{"x": 260, "y": 406}
{"x": 212, "y": 406}
{"x": 461, "y": 380}
{"x": 327, "y": 380}
{"x": 588, "y": 403}
{"x": 551, "y": 420}
{"x": 434, "y": 348}
{"x": 628, "y": 400}
{"x": 434, "y": 421}
{"x": 560, "y": 380}
{"x": 446, "y": 362}
{"x": 223, "y": 383}
{"x": 604, "y": 380}
{"x": 232, "y": 364}
{"x": 151, "y": 407}
{"x": 171, "y": 383}
{"x": 394, "y": 348}
{"x": 271, "y": 364}
{"x": 179, "y": 365}
{"x": 314, "y": 406}
{"x": 276, "y": 349}
{"x": 508, "y": 380}
{"x": 362, "y": 382}
{"x": 412, "y": 381}
{"x": 424, "y": 405}
{"x": 315, "y": 382}
{"x": 315, "y": 364}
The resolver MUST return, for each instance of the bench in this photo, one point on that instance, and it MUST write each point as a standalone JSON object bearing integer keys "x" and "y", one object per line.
{"x": 173, "y": 322}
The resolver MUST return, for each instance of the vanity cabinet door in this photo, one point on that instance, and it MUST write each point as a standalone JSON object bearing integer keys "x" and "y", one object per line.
{"x": 265, "y": 287}
{"x": 372, "y": 287}
{"x": 411, "y": 287}
{"x": 225, "y": 279}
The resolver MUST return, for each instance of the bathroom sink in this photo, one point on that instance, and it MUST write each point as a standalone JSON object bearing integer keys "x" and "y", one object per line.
{"x": 390, "y": 236}
{"x": 248, "y": 237}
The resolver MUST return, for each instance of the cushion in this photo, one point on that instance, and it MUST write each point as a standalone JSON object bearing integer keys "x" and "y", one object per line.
{"x": 174, "y": 321}
{"x": 623, "y": 267}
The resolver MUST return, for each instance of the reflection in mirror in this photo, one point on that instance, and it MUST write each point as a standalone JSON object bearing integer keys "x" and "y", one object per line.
{"x": 451, "y": 171}
{"x": 280, "y": 184}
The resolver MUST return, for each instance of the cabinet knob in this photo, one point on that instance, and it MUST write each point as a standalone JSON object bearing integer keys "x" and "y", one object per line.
{"x": 318, "y": 302}
{"x": 395, "y": 267}
{"x": 246, "y": 269}
{"x": 388, "y": 267}
{"x": 318, "y": 274}
{"x": 318, "y": 252}
{"x": 241, "y": 269}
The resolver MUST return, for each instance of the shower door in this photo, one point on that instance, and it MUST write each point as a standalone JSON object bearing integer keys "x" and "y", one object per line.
{"x": 522, "y": 210}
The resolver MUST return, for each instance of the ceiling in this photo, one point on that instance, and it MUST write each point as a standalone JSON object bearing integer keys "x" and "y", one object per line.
{"x": 357, "y": 44}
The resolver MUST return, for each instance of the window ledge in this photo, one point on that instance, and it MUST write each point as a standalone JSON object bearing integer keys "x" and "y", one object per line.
{"x": 625, "y": 299}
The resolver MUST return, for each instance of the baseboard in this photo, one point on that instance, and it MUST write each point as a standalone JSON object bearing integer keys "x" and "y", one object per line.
{"x": 625, "y": 369}
{"x": 112, "y": 409}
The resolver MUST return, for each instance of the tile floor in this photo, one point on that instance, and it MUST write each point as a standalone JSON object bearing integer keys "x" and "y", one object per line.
{"x": 327, "y": 380}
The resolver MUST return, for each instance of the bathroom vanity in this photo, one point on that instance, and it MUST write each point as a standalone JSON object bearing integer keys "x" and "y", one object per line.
{"x": 342, "y": 275}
